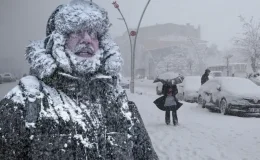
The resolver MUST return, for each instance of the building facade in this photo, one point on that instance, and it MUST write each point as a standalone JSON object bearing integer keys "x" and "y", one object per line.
{"x": 156, "y": 42}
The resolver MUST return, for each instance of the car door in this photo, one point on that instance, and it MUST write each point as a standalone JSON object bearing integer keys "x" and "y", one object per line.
{"x": 210, "y": 91}
{"x": 180, "y": 90}
{"x": 216, "y": 92}
{"x": 205, "y": 91}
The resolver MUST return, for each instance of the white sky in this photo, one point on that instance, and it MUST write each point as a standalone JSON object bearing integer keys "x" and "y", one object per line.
{"x": 218, "y": 18}
{"x": 24, "y": 20}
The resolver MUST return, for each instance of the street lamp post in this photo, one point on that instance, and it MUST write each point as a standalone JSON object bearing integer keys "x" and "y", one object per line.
{"x": 132, "y": 46}
{"x": 227, "y": 58}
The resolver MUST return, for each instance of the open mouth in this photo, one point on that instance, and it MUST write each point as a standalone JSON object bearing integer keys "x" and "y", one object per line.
{"x": 85, "y": 53}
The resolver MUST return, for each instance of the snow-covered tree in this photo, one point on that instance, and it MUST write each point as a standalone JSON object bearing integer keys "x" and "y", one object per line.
{"x": 249, "y": 42}
{"x": 175, "y": 62}
{"x": 198, "y": 53}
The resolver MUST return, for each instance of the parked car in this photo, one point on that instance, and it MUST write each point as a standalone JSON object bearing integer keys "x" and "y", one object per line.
{"x": 8, "y": 77}
{"x": 216, "y": 73}
{"x": 125, "y": 83}
{"x": 255, "y": 78}
{"x": 167, "y": 75}
{"x": 189, "y": 88}
{"x": 230, "y": 94}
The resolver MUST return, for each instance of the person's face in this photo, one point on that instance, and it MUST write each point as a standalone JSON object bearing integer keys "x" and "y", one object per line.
{"x": 82, "y": 44}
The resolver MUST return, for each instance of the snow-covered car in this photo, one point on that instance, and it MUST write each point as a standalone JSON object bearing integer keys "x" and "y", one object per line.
{"x": 255, "y": 78}
{"x": 166, "y": 75}
{"x": 8, "y": 77}
{"x": 230, "y": 94}
{"x": 189, "y": 88}
{"x": 125, "y": 83}
{"x": 216, "y": 73}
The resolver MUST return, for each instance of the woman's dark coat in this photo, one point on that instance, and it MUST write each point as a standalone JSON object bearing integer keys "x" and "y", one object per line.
{"x": 159, "y": 102}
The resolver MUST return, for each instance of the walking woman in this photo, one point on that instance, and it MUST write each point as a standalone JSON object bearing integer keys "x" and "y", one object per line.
{"x": 168, "y": 102}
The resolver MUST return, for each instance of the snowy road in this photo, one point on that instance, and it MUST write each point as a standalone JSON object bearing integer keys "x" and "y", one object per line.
{"x": 201, "y": 135}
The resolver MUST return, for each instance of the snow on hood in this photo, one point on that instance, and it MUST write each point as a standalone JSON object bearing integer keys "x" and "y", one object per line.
{"x": 240, "y": 87}
{"x": 45, "y": 59}
{"x": 80, "y": 14}
{"x": 42, "y": 64}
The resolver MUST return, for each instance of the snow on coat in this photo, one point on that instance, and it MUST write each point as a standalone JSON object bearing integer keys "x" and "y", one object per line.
{"x": 62, "y": 111}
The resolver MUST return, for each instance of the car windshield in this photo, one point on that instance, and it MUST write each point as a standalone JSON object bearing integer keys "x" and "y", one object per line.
{"x": 238, "y": 85}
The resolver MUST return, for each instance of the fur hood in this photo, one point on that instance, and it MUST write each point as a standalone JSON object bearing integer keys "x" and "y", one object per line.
{"x": 48, "y": 56}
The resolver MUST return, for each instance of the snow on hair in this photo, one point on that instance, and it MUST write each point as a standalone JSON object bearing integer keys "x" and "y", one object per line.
{"x": 80, "y": 14}
{"x": 70, "y": 18}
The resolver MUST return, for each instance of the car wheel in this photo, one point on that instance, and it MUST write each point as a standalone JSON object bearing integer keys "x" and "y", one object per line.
{"x": 223, "y": 107}
{"x": 201, "y": 101}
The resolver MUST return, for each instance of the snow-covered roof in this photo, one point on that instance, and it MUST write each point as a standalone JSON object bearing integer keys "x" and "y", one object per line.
{"x": 239, "y": 86}
{"x": 160, "y": 30}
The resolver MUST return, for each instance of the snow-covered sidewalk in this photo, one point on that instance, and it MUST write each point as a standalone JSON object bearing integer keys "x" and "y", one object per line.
{"x": 201, "y": 135}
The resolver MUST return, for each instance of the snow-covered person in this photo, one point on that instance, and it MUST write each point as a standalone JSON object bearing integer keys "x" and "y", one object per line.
{"x": 168, "y": 102}
{"x": 205, "y": 76}
{"x": 71, "y": 106}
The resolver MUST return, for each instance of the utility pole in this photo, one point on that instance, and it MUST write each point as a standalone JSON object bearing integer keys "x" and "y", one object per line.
{"x": 132, "y": 46}
{"x": 227, "y": 57}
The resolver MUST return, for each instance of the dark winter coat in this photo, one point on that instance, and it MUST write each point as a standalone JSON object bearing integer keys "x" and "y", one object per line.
{"x": 159, "y": 102}
{"x": 204, "y": 78}
{"x": 41, "y": 122}
{"x": 70, "y": 109}
{"x": 166, "y": 87}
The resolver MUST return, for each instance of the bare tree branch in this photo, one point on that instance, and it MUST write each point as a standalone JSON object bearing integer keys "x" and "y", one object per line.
{"x": 249, "y": 42}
